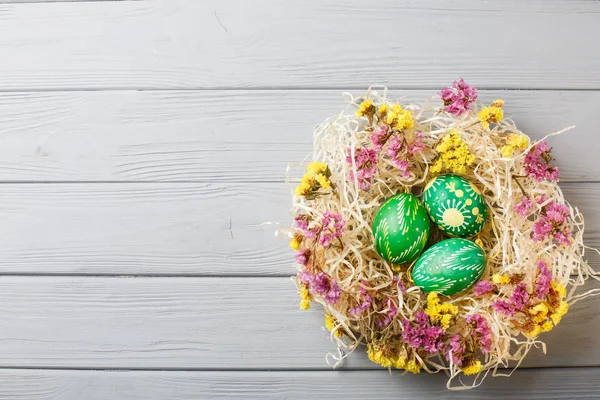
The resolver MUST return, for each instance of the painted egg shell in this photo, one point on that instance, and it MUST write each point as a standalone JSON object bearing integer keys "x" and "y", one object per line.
{"x": 449, "y": 266}
{"x": 455, "y": 205}
{"x": 401, "y": 229}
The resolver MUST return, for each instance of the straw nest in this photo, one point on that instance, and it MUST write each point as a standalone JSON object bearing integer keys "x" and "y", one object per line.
{"x": 370, "y": 301}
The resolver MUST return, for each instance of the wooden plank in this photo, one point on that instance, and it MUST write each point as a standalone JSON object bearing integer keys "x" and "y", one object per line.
{"x": 166, "y": 229}
{"x": 201, "y": 323}
{"x": 226, "y": 135}
{"x": 579, "y": 383}
{"x": 194, "y": 44}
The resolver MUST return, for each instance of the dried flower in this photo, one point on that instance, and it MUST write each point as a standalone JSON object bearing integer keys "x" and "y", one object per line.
{"x": 440, "y": 312}
{"x": 365, "y": 108}
{"x": 551, "y": 223}
{"x": 455, "y": 350}
{"x": 417, "y": 144}
{"x": 482, "y": 331}
{"x": 454, "y": 155}
{"x": 380, "y": 136}
{"x": 333, "y": 226}
{"x": 316, "y": 177}
{"x": 302, "y": 256}
{"x": 472, "y": 368}
{"x": 366, "y": 302}
{"x": 366, "y": 166}
{"x": 515, "y": 303}
{"x": 296, "y": 242}
{"x": 399, "y": 119}
{"x": 514, "y": 141}
{"x": 391, "y": 312}
{"x": 304, "y": 297}
{"x": 321, "y": 284}
{"x": 423, "y": 335}
{"x": 483, "y": 287}
{"x": 492, "y": 113}
{"x": 537, "y": 163}
{"x": 524, "y": 206}
{"x": 458, "y": 98}
{"x": 542, "y": 283}
{"x": 330, "y": 324}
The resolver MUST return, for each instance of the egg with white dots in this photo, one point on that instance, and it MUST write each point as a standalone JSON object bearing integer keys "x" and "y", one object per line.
{"x": 455, "y": 205}
{"x": 400, "y": 229}
{"x": 449, "y": 267}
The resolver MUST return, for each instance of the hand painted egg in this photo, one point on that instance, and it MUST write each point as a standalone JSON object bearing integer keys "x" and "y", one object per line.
{"x": 455, "y": 205}
{"x": 401, "y": 229}
{"x": 449, "y": 266}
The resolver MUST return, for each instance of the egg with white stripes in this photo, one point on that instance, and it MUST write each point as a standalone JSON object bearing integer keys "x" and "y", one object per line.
{"x": 449, "y": 266}
{"x": 401, "y": 229}
{"x": 455, "y": 205}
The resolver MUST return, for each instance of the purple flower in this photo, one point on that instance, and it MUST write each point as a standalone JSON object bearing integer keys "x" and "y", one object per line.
{"x": 542, "y": 284}
{"x": 455, "y": 350}
{"x": 302, "y": 256}
{"x": 483, "y": 287}
{"x": 515, "y": 303}
{"x": 321, "y": 284}
{"x": 333, "y": 226}
{"x": 394, "y": 151}
{"x": 380, "y": 136}
{"x": 367, "y": 300}
{"x": 366, "y": 166}
{"x": 524, "y": 206}
{"x": 551, "y": 224}
{"x": 458, "y": 99}
{"x": 417, "y": 145}
{"x": 389, "y": 315}
{"x": 537, "y": 163}
{"x": 482, "y": 331}
{"x": 423, "y": 335}
{"x": 309, "y": 231}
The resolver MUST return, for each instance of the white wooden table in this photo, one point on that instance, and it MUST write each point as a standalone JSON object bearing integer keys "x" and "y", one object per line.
{"x": 143, "y": 144}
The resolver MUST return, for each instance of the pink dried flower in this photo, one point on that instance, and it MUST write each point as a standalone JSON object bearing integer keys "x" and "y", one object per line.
{"x": 515, "y": 303}
{"x": 394, "y": 151}
{"x": 380, "y": 136}
{"x": 482, "y": 331}
{"x": 542, "y": 284}
{"x": 367, "y": 300}
{"x": 483, "y": 287}
{"x": 455, "y": 350}
{"x": 302, "y": 256}
{"x": 458, "y": 99}
{"x": 417, "y": 145}
{"x": 321, "y": 284}
{"x": 551, "y": 224}
{"x": 423, "y": 335}
{"x": 309, "y": 230}
{"x": 333, "y": 226}
{"x": 391, "y": 312}
{"x": 537, "y": 163}
{"x": 400, "y": 284}
{"x": 524, "y": 206}
{"x": 366, "y": 166}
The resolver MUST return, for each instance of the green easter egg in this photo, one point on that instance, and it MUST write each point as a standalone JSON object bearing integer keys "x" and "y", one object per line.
{"x": 449, "y": 266}
{"x": 455, "y": 205}
{"x": 401, "y": 229}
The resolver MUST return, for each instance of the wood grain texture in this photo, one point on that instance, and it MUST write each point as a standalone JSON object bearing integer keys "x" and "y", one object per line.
{"x": 201, "y": 323}
{"x": 546, "y": 384}
{"x": 309, "y": 44}
{"x": 167, "y": 229}
{"x": 217, "y": 136}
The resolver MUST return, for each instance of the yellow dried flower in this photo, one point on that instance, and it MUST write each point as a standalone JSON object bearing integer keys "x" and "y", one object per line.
{"x": 492, "y": 113}
{"x": 302, "y": 189}
{"x": 413, "y": 367}
{"x": 304, "y": 297}
{"x": 547, "y": 326}
{"x": 377, "y": 356}
{"x": 330, "y": 324}
{"x": 472, "y": 368}
{"x": 399, "y": 119}
{"x": 539, "y": 312}
{"x": 383, "y": 110}
{"x": 500, "y": 279}
{"x": 517, "y": 140}
{"x": 454, "y": 154}
{"x": 534, "y": 332}
{"x": 440, "y": 312}
{"x": 315, "y": 167}
{"x": 296, "y": 242}
{"x": 507, "y": 151}
{"x": 323, "y": 181}
{"x": 365, "y": 108}
{"x": 558, "y": 288}
{"x": 557, "y": 315}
